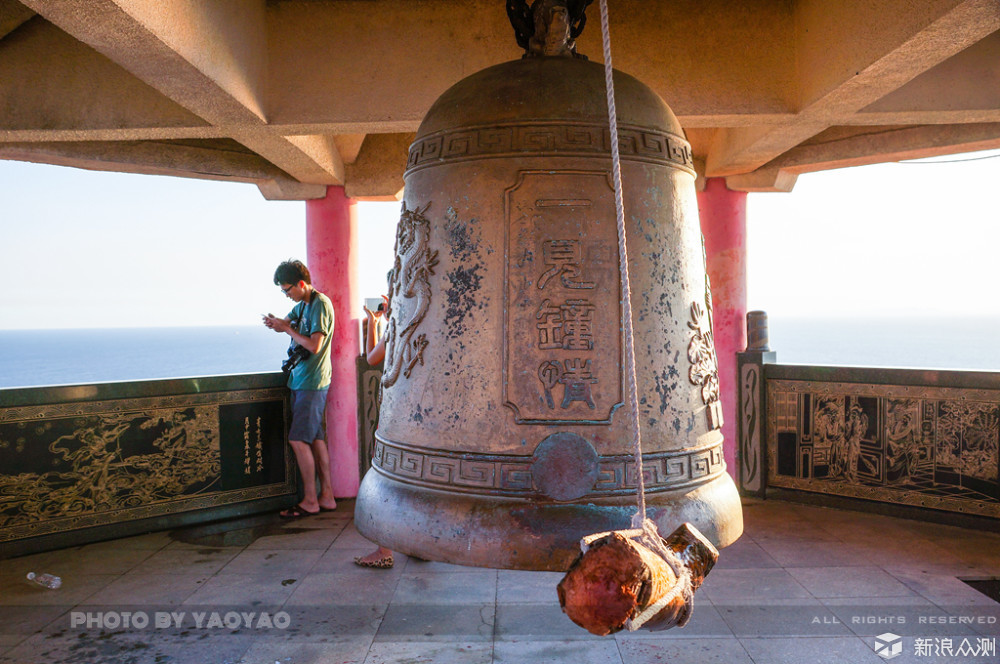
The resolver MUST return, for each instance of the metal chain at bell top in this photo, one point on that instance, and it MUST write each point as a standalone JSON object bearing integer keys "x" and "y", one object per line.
{"x": 643, "y": 530}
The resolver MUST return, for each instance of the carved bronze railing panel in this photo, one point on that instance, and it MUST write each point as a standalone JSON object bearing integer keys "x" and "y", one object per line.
{"x": 103, "y": 455}
{"x": 369, "y": 382}
{"x": 919, "y": 438}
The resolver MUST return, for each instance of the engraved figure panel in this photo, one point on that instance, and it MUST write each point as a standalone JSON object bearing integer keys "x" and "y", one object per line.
{"x": 931, "y": 447}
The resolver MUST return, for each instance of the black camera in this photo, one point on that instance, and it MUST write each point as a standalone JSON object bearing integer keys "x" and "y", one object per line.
{"x": 296, "y": 352}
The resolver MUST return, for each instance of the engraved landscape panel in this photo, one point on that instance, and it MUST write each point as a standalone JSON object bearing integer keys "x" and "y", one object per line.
{"x": 81, "y": 464}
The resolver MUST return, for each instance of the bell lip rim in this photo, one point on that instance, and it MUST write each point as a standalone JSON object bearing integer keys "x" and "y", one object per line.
{"x": 716, "y": 505}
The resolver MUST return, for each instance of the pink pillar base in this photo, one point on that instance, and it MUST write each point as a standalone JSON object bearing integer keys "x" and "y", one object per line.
{"x": 331, "y": 254}
{"x": 723, "y": 216}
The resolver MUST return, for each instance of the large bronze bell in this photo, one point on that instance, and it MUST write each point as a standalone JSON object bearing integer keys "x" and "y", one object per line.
{"x": 504, "y": 430}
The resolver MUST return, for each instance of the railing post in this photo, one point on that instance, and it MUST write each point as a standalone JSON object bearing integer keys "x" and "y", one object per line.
{"x": 751, "y": 454}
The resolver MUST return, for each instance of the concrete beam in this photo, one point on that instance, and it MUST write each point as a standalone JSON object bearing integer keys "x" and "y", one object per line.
{"x": 209, "y": 58}
{"x": 54, "y": 83}
{"x": 909, "y": 39}
{"x": 379, "y": 66}
{"x": 377, "y": 174}
{"x": 12, "y": 15}
{"x": 967, "y": 82}
{"x": 763, "y": 180}
{"x": 349, "y": 146}
{"x": 841, "y": 147}
{"x": 214, "y": 160}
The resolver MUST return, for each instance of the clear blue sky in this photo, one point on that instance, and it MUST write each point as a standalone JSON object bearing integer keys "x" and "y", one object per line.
{"x": 94, "y": 249}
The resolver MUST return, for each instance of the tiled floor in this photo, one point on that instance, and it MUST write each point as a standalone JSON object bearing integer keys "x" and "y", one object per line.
{"x": 804, "y": 584}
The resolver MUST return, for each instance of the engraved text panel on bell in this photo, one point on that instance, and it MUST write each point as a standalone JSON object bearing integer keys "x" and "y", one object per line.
{"x": 562, "y": 358}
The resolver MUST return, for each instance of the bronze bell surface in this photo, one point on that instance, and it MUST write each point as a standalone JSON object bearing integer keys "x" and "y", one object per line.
{"x": 504, "y": 434}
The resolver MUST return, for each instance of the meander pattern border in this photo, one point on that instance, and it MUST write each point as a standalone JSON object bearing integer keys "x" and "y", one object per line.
{"x": 549, "y": 139}
{"x": 511, "y": 475}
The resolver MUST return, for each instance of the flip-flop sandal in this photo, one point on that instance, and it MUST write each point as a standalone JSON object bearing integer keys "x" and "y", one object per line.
{"x": 382, "y": 563}
{"x": 296, "y": 512}
{"x": 327, "y": 509}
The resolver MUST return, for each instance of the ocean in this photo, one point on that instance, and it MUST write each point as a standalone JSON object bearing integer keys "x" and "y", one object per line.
{"x": 62, "y": 357}
{"x": 30, "y": 358}
{"x": 909, "y": 343}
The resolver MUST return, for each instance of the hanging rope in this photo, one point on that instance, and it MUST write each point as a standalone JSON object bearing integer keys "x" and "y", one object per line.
{"x": 616, "y": 174}
{"x": 643, "y": 530}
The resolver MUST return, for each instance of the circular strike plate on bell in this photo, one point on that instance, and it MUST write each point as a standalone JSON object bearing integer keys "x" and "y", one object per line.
{"x": 565, "y": 466}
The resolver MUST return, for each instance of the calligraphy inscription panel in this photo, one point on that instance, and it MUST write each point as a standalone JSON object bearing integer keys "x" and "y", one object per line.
{"x": 563, "y": 313}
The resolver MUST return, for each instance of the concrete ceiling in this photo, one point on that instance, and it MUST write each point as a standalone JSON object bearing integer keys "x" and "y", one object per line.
{"x": 295, "y": 95}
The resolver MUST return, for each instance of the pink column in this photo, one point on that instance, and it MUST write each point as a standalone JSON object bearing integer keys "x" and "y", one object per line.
{"x": 724, "y": 222}
{"x": 332, "y": 257}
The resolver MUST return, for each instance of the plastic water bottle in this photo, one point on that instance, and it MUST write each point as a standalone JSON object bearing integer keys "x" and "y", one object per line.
{"x": 49, "y": 581}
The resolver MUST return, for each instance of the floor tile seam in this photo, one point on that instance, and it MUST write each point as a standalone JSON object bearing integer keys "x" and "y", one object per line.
{"x": 803, "y": 564}
{"x": 732, "y": 632}
{"x": 381, "y": 619}
{"x": 751, "y": 569}
{"x": 854, "y": 601}
{"x": 496, "y": 608}
{"x": 744, "y": 648}
{"x": 949, "y": 608}
{"x": 798, "y": 639}
{"x": 198, "y": 587}
{"x": 41, "y": 629}
{"x": 242, "y": 550}
{"x": 83, "y": 600}
{"x": 862, "y": 598}
{"x": 277, "y": 551}
{"x": 149, "y": 554}
{"x": 668, "y": 639}
{"x": 838, "y": 567}
{"x": 892, "y": 568}
{"x": 618, "y": 648}
{"x": 898, "y": 576}
{"x": 87, "y": 572}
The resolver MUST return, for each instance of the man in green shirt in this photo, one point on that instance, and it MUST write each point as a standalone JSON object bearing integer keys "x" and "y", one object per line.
{"x": 310, "y": 325}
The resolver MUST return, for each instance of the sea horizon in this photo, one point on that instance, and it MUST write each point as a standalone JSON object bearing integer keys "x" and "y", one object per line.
{"x": 73, "y": 356}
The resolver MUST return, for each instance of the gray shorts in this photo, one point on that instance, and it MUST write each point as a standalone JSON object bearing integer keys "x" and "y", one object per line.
{"x": 308, "y": 415}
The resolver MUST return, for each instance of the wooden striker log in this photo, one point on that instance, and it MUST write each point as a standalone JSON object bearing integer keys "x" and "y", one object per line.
{"x": 618, "y": 578}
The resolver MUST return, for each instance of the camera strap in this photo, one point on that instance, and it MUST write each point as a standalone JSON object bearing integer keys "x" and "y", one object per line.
{"x": 306, "y": 312}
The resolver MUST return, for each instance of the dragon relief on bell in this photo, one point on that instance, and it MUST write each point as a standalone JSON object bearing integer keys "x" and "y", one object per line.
{"x": 704, "y": 363}
{"x": 409, "y": 294}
